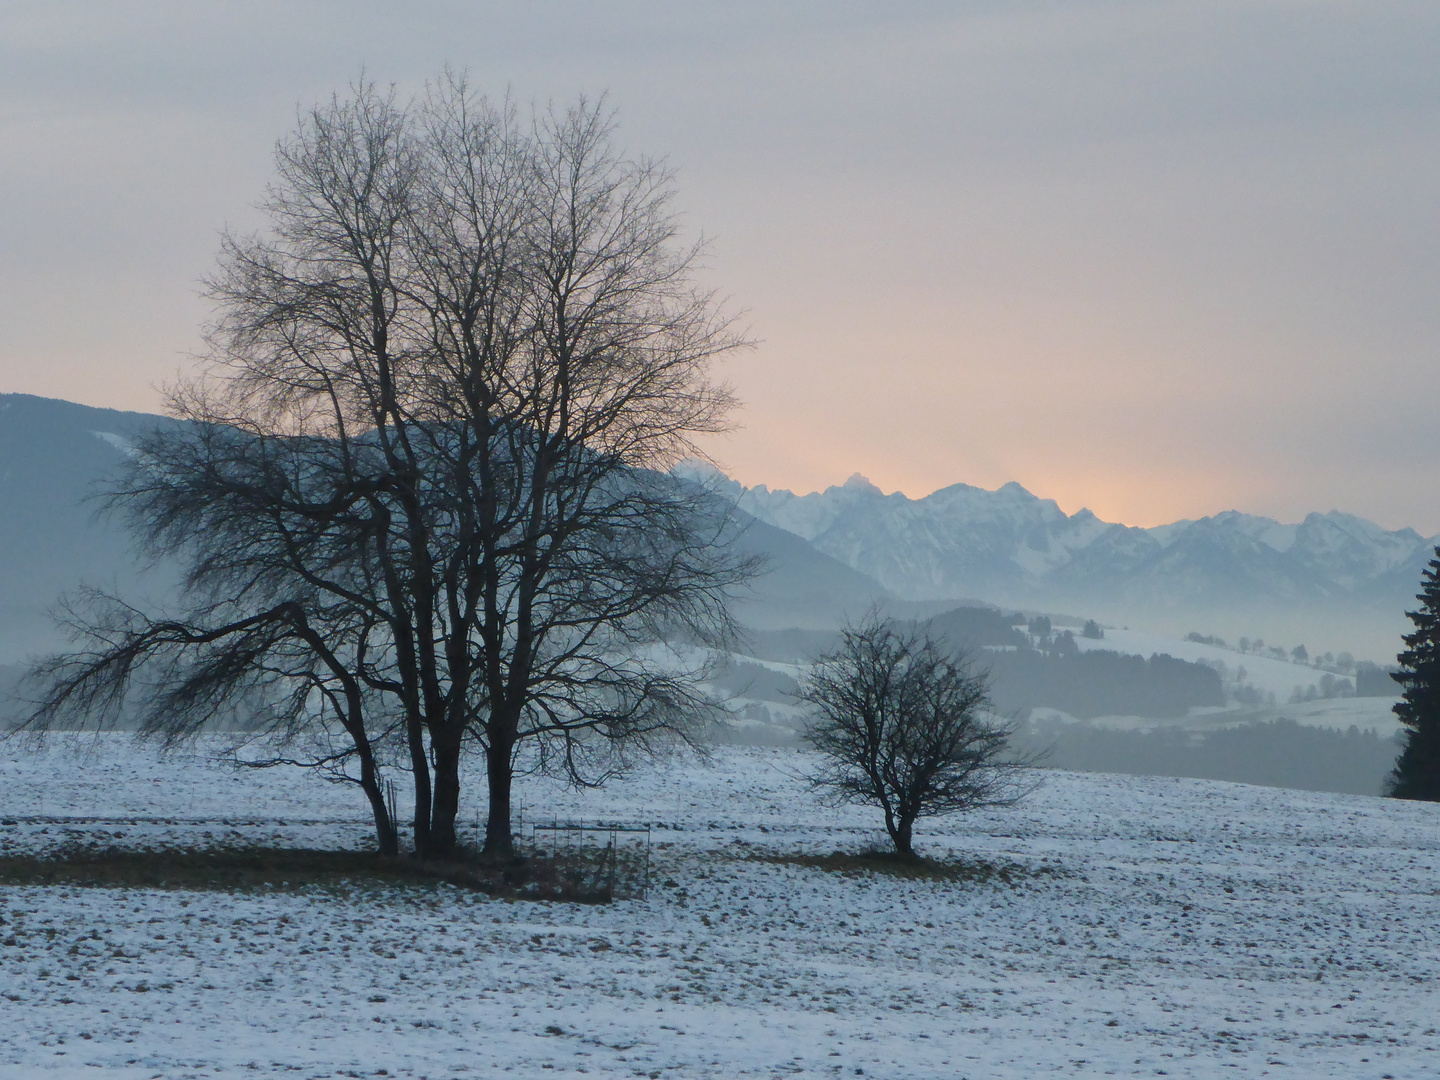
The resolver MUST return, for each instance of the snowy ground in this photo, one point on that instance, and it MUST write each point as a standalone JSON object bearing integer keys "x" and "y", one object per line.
{"x": 1337, "y": 713}
{"x": 1167, "y": 927}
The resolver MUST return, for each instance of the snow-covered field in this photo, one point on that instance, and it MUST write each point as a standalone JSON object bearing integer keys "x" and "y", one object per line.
{"x": 1365, "y": 713}
{"x": 1267, "y": 674}
{"x": 1162, "y": 927}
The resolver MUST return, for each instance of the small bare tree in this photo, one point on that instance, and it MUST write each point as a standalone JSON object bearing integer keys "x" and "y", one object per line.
{"x": 902, "y": 724}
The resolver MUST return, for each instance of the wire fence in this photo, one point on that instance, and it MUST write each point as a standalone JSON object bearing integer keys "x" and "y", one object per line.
{"x": 604, "y": 859}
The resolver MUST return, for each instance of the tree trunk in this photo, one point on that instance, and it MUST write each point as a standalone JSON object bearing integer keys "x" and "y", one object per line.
{"x": 420, "y": 766}
{"x": 499, "y": 843}
{"x": 384, "y": 826}
{"x": 900, "y": 833}
{"x": 446, "y": 805}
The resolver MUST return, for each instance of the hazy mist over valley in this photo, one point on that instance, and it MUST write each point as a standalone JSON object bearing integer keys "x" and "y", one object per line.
{"x": 985, "y": 564}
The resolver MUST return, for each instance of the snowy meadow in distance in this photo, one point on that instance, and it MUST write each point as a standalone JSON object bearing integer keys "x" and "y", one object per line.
{"x": 1148, "y": 927}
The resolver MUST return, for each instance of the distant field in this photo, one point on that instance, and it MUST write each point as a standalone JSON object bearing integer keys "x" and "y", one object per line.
{"x": 1142, "y": 927}
{"x": 1265, "y": 673}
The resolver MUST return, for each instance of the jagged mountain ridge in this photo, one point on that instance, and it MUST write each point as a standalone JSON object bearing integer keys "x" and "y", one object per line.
{"x": 1010, "y": 546}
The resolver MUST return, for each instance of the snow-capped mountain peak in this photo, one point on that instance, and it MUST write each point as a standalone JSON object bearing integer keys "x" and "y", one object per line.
{"x": 1013, "y": 547}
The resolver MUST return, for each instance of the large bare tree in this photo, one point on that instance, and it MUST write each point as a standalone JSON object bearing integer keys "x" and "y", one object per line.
{"x": 426, "y": 478}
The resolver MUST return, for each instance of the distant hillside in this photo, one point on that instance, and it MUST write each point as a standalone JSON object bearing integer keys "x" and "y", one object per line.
{"x": 55, "y": 455}
{"x": 1278, "y": 753}
{"x": 801, "y": 586}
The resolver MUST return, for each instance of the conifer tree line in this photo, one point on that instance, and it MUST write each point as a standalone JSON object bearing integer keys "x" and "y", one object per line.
{"x": 422, "y": 488}
{"x": 1417, "y": 770}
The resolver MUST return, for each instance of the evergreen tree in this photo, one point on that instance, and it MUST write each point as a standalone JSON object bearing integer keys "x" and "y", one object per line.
{"x": 1417, "y": 771}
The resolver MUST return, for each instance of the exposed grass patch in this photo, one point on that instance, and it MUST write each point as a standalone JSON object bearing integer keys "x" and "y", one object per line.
{"x": 251, "y": 869}
{"x": 874, "y": 861}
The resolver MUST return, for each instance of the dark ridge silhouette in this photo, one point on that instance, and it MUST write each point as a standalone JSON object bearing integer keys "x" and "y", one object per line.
{"x": 1276, "y": 753}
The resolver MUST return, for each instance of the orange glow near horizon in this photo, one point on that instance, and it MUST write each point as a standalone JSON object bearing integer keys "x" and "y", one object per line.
{"x": 1158, "y": 261}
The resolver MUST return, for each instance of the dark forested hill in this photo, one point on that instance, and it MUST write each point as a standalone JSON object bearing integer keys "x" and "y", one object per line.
{"x": 1101, "y": 683}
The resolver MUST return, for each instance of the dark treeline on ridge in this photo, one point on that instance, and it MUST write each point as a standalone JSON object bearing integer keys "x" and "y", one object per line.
{"x": 1027, "y": 671}
{"x": 1101, "y": 683}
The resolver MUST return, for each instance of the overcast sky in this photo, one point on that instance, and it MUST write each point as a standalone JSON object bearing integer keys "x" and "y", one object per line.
{"x": 1157, "y": 259}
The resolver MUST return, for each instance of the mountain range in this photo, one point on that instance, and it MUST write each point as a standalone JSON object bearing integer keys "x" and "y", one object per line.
{"x": 1332, "y": 581}
{"x": 1334, "y": 577}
